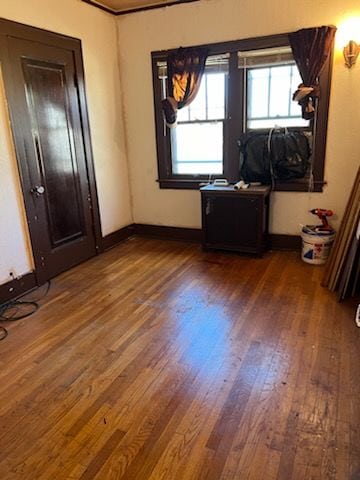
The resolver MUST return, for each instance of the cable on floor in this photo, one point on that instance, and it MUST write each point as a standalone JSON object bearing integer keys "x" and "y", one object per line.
{"x": 19, "y": 309}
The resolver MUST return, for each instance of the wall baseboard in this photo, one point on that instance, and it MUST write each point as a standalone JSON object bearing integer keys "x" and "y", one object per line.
{"x": 17, "y": 287}
{"x": 277, "y": 241}
{"x": 111, "y": 240}
{"x": 169, "y": 233}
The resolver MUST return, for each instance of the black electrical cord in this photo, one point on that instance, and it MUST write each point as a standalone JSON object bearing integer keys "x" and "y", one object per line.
{"x": 19, "y": 309}
{"x": 3, "y": 333}
{"x": 9, "y": 311}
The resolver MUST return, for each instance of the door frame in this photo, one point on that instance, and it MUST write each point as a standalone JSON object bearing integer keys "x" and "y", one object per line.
{"x": 8, "y": 29}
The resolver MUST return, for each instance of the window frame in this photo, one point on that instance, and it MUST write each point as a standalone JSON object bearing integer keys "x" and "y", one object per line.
{"x": 236, "y": 117}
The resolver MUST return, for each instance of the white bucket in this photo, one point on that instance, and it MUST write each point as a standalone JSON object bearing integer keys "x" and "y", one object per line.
{"x": 316, "y": 248}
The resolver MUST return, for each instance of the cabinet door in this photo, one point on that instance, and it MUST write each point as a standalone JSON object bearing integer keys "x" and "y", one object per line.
{"x": 232, "y": 222}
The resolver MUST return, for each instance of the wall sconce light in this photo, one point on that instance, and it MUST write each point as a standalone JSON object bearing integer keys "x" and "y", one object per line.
{"x": 348, "y": 39}
{"x": 351, "y": 52}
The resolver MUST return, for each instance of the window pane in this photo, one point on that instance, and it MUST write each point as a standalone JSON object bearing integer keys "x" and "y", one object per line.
{"x": 258, "y": 84}
{"x": 280, "y": 84}
{"x": 198, "y": 148}
{"x": 209, "y": 103}
{"x": 216, "y": 95}
{"x": 270, "y": 97}
{"x": 295, "y": 109}
{"x": 183, "y": 115}
{"x": 198, "y": 106}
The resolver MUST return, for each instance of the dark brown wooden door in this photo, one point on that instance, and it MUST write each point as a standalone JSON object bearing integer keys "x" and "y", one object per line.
{"x": 47, "y": 121}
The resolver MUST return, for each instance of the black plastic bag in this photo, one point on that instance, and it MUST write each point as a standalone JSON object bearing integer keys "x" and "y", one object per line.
{"x": 254, "y": 158}
{"x": 277, "y": 155}
{"x": 289, "y": 154}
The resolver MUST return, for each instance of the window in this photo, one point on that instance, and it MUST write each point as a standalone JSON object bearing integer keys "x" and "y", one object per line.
{"x": 271, "y": 79}
{"x": 197, "y": 143}
{"x": 247, "y": 87}
{"x": 269, "y": 99}
{"x": 198, "y": 140}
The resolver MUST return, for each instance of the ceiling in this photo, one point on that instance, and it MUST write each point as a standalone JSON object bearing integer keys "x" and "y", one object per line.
{"x": 121, "y": 7}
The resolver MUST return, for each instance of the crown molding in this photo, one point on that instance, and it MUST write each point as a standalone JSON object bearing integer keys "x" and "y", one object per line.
{"x": 99, "y": 5}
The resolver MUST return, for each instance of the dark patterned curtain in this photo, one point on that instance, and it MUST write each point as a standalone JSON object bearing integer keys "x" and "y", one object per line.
{"x": 185, "y": 69}
{"x": 311, "y": 47}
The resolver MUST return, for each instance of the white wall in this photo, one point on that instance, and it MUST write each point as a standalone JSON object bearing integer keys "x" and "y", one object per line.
{"x": 221, "y": 20}
{"x": 97, "y": 31}
{"x": 15, "y": 250}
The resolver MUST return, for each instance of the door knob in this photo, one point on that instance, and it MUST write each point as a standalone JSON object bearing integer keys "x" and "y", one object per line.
{"x": 38, "y": 190}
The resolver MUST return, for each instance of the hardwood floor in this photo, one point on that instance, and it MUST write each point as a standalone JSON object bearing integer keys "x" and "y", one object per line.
{"x": 158, "y": 361}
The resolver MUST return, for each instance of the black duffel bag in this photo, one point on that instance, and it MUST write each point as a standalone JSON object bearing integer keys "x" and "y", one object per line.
{"x": 289, "y": 154}
{"x": 278, "y": 155}
{"x": 254, "y": 158}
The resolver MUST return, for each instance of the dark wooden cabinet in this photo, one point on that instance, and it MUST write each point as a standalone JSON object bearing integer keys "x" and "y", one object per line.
{"x": 235, "y": 220}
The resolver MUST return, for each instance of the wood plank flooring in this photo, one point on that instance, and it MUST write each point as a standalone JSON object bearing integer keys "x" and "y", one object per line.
{"x": 158, "y": 361}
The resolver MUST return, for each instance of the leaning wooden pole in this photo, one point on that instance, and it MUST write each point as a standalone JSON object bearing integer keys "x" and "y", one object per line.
{"x": 344, "y": 238}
